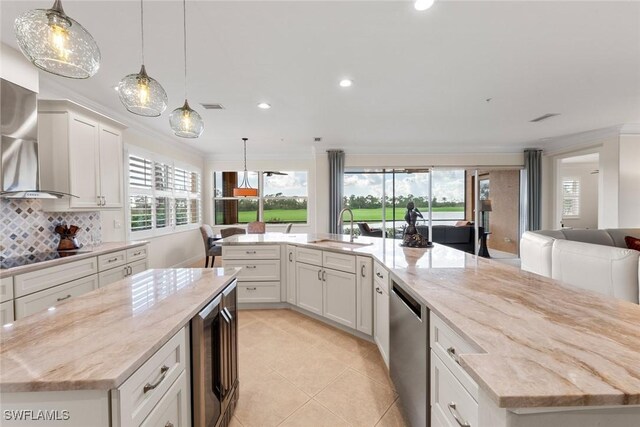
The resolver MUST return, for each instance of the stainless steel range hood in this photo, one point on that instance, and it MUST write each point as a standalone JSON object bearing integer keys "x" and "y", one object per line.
{"x": 19, "y": 172}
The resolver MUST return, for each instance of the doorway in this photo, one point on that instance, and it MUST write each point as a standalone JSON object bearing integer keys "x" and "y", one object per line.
{"x": 577, "y": 191}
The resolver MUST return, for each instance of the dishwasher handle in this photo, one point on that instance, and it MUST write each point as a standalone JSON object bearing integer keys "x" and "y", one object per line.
{"x": 408, "y": 300}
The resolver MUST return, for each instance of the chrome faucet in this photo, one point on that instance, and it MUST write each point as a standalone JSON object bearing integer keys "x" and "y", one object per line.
{"x": 340, "y": 222}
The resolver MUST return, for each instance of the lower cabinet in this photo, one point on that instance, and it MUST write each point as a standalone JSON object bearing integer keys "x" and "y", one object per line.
{"x": 364, "y": 295}
{"x": 113, "y": 275}
{"x": 259, "y": 292}
{"x": 291, "y": 275}
{"x": 51, "y": 297}
{"x": 6, "y": 312}
{"x": 381, "y": 321}
{"x": 339, "y": 297}
{"x": 172, "y": 410}
{"x": 309, "y": 287}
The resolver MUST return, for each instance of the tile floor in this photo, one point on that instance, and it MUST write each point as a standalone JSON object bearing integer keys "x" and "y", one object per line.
{"x": 298, "y": 372}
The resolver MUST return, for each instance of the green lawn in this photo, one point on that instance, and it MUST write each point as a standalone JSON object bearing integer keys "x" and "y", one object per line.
{"x": 300, "y": 215}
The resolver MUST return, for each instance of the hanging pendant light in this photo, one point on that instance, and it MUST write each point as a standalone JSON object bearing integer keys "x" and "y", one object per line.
{"x": 56, "y": 43}
{"x": 186, "y": 122}
{"x": 139, "y": 93}
{"x": 245, "y": 189}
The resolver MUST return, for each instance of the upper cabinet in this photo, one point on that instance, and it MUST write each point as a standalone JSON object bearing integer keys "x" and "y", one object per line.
{"x": 80, "y": 153}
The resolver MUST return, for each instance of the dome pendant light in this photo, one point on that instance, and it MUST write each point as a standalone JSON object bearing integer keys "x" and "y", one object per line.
{"x": 139, "y": 93}
{"x": 245, "y": 189}
{"x": 56, "y": 43}
{"x": 186, "y": 122}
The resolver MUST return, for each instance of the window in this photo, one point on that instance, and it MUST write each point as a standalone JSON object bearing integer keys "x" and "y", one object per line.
{"x": 282, "y": 197}
{"x": 570, "y": 197}
{"x": 162, "y": 196}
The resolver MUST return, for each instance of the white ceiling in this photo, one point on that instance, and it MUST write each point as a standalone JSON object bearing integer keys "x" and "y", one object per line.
{"x": 420, "y": 78}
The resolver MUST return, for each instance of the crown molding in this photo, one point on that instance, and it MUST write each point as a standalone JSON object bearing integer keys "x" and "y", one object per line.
{"x": 578, "y": 140}
{"x": 62, "y": 92}
{"x": 630, "y": 129}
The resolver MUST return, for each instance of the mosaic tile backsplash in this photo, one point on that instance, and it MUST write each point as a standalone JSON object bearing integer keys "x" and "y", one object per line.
{"x": 26, "y": 228}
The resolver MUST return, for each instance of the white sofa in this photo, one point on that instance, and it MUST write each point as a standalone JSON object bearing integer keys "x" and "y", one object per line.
{"x": 597, "y": 260}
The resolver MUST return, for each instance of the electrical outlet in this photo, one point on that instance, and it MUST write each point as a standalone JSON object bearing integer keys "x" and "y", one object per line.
{"x": 507, "y": 240}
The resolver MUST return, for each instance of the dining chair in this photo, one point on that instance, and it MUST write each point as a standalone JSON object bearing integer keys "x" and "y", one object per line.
{"x": 256, "y": 227}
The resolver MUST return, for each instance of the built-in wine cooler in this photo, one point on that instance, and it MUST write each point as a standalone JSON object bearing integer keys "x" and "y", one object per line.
{"x": 214, "y": 360}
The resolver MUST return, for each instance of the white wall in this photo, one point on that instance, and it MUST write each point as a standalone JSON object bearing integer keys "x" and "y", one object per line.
{"x": 588, "y": 194}
{"x": 629, "y": 202}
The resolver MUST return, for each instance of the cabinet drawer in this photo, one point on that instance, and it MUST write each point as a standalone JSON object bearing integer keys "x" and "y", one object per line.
{"x": 135, "y": 254}
{"x": 114, "y": 259}
{"x": 29, "y": 283}
{"x": 138, "y": 267}
{"x": 381, "y": 276}
{"x": 341, "y": 262}
{"x": 309, "y": 256}
{"x": 42, "y": 300}
{"x": 259, "y": 292}
{"x": 256, "y": 270}
{"x": 139, "y": 394}
{"x": 172, "y": 410}
{"x": 6, "y": 289}
{"x": 6, "y": 312}
{"x": 448, "y": 345}
{"x": 111, "y": 276}
{"x": 251, "y": 252}
{"x": 449, "y": 397}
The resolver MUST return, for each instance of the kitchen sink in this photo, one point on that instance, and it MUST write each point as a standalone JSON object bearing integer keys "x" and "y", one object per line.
{"x": 340, "y": 243}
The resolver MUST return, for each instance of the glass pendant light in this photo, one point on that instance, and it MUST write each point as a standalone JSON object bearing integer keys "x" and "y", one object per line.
{"x": 56, "y": 43}
{"x": 184, "y": 121}
{"x": 245, "y": 189}
{"x": 139, "y": 93}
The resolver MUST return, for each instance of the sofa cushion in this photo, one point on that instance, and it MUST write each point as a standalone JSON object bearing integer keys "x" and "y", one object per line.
{"x": 596, "y": 237}
{"x": 618, "y": 235}
{"x": 535, "y": 253}
{"x": 632, "y": 243}
{"x": 556, "y": 234}
{"x": 608, "y": 270}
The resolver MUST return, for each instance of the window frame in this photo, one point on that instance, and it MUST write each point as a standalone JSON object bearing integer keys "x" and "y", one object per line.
{"x": 575, "y": 197}
{"x": 260, "y": 198}
{"x": 170, "y": 194}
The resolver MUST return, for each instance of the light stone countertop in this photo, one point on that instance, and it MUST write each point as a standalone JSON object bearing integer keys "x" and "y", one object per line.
{"x": 545, "y": 344}
{"x": 86, "y": 252}
{"x": 97, "y": 340}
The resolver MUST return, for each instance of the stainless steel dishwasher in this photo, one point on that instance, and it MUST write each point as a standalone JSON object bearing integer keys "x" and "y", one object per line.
{"x": 408, "y": 355}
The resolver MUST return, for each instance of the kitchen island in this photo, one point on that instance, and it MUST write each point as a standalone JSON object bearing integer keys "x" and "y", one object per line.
{"x": 86, "y": 360}
{"x": 530, "y": 350}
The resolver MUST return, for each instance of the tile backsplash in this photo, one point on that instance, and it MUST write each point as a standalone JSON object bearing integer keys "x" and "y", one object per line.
{"x": 26, "y": 228}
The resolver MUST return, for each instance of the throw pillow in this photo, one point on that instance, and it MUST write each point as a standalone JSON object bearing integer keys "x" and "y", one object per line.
{"x": 632, "y": 242}
{"x": 462, "y": 223}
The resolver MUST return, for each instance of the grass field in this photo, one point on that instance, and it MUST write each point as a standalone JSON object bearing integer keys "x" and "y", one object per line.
{"x": 300, "y": 215}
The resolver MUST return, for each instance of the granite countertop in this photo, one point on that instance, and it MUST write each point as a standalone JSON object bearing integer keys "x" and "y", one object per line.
{"x": 97, "y": 340}
{"x": 86, "y": 252}
{"x": 543, "y": 343}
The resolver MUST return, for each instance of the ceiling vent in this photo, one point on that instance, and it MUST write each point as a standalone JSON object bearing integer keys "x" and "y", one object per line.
{"x": 213, "y": 106}
{"x": 544, "y": 117}
{"x": 317, "y": 139}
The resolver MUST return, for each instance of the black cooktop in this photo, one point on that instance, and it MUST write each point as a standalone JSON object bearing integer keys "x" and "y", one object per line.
{"x": 36, "y": 257}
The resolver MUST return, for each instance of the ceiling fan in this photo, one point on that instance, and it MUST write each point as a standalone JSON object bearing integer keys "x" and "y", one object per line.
{"x": 271, "y": 173}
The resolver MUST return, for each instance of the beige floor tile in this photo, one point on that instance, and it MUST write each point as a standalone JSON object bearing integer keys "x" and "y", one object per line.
{"x": 235, "y": 423}
{"x": 373, "y": 366}
{"x": 394, "y": 417}
{"x": 357, "y": 398}
{"x": 268, "y": 402}
{"x": 310, "y": 371}
{"x": 313, "y": 414}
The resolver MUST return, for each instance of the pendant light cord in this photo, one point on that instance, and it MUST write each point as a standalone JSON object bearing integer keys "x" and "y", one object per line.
{"x": 142, "y": 28}
{"x": 184, "y": 16}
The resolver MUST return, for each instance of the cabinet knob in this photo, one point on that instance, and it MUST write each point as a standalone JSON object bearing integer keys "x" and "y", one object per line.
{"x": 168, "y": 424}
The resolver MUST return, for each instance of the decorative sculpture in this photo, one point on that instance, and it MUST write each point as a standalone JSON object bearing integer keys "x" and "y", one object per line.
{"x": 412, "y": 238}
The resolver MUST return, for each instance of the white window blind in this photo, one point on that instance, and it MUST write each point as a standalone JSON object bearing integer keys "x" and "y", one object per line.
{"x": 140, "y": 174}
{"x": 182, "y": 212}
{"x": 141, "y": 213}
{"x": 570, "y": 197}
{"x": 163, "y": 176}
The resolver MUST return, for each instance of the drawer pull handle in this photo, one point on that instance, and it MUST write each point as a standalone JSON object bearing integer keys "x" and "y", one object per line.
{"x": 456, "y": 415}
{"x": 252, "y": 289}
{"x": 378, "y": 290}
{"x": 362, "y": 270}
{"x": 290, "y": 256}
{"x": 451, "y": 351}
{"x": 379, "y": 275}
{"x": 250, "y": 252}
{"x": 163, "y": 373}
{"x": 320, "y": 275}
{"x": 168, "y": 424}
{"x": 112, "y": 259}
{"x": 137, "y": 253}
{"x": 63, "y": 298}
{"x": 250, "y": 266}
{"x": 324, "y": 275}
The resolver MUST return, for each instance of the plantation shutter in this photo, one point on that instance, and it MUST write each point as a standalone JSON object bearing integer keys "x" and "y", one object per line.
{"x": 571, "y": 197}
{"x": 140, "y": 174}
{"x": 163, "y": 176}
{"x": 141, "y": 213}
{"x": 182, "y": 180}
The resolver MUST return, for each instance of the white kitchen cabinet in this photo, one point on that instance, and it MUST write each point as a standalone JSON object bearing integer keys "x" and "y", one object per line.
{"x": 6, "y": 289}
{"x": 138, "y": 267}
{"x": 51, "y": 297}
{"x": 84, "y": 157}
{"x": 6, "y": 312}
{"x": 309, "y": 287}
{"x": 173, "y": 409}
{"x": 118, "y": 273}
{"x": 111, "y": 276}
{"x": 291, "y": 275}
{"x": 339, "y": 297}
{"x": 381, "y": 322}
{"x": 364, "y": 295}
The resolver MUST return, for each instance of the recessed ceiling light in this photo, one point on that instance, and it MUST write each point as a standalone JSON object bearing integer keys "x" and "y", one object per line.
{"x": 346, "y": 83}
{"x": 264, "y": 105}
{"x": 423, "y": 4}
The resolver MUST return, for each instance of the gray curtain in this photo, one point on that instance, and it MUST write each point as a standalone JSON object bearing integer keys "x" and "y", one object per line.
{"x": 336, "y": 187}
{"x": 533, "y": 170}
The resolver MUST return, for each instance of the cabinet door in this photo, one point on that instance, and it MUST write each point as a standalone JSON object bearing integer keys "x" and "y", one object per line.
{"x": 111, "y": 276}
{"x": 111, "y": 167}
{"x": 381, "y": 324}
{"x": 340, "y": 297}
{"x": 364, "y": 295}
{"x": 84, "y": 155}
{"x": 291, "y": 275}
{"x": 309, "y": 287}
{"x": 139, "y": 266}
{"x": 6, "y": 312}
